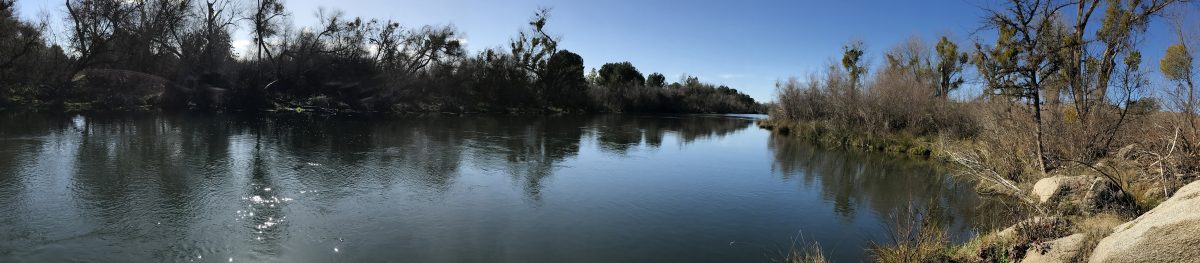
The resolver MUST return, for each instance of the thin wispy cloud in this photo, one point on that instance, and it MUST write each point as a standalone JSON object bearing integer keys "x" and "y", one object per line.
{"x": 733, "y": 76}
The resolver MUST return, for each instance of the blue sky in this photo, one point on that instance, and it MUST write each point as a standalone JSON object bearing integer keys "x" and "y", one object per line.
{"x": 747, "y": 45}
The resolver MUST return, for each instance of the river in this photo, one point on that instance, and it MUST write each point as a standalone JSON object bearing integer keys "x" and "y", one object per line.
{"x": 155, "y": 187}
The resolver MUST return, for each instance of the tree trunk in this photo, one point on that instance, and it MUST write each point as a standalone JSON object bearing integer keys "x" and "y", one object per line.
{"x": 1191, "y": 106}
{"x": 1037, "y": 128}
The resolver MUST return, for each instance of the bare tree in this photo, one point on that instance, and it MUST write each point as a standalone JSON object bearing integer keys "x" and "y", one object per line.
{"x": 1089, "y": 66}
{"x": 1022, "y": 62}
{"x": 18, "y": 39}
{"x": 265, "y": 22}
{"x": 137, "y": 35}
{"x": 91, "y": 28}
{"x": 219, "y": 16}
{"x": 429, "y": 45}
{"x": 1122, "y": 21}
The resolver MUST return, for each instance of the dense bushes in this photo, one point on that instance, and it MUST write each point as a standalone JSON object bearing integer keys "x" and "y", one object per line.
{"x": 30, "y": 70}
{"x": 1049, "y": 106}
{"x": 1058, "y": 99}
{"x": 689, "y": 96}
{"x": 900, "y": 99}
{"x": 904, "y": 106}
{"x": 178, "y": 55}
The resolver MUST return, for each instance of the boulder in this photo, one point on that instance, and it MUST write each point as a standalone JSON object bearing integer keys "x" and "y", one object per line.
{"x": 1059, "y": 250}
{"x": 1105, "y": 195}
{"x": 1053, "y": 188}
{"x": 1168, "y": 233}
{"x": 1083, "y": 195}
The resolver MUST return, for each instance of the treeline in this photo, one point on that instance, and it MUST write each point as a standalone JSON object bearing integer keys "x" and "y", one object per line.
{"x": 120, "y": 55}
{"x": 1060, "y": 96}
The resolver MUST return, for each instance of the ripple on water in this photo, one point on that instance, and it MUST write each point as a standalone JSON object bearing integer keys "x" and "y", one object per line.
{"x": 263, "y": 214}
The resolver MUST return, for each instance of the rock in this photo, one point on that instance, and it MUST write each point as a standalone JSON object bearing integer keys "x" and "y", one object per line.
{"x": 1125, "y": 153}
{"x": 1059, "y": 250}
{"x": 1083, "y": 195}
{"x": 1168, "y": 233}
{"x": 1104, "y": 195}
{"x": 1010, "y": 232}
{"x": 1050, "y": 189}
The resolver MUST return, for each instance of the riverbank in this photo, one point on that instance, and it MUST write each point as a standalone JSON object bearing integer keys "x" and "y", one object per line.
{"x": 1067, "y": 213}
{"x": 920, "y": 147}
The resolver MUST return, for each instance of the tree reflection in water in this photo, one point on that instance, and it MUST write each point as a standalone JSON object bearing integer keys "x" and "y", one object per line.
{"x": 294, "y": 187}
{"x": 889, "y": 186}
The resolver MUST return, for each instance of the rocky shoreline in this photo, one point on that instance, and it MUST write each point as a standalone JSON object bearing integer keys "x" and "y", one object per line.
{"x": 1082, "y": 215}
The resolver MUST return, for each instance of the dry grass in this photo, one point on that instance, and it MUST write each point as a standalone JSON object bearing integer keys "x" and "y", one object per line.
{"x": 1009, "y": 246}
{"x": 892, "y": 103}
{"x": 991, "y": 247}
{"x": 917, "y": 236}
{"x": 810, "y": 253}
{"x": 1094, "y": 229}
{"x": 801, "y": 251}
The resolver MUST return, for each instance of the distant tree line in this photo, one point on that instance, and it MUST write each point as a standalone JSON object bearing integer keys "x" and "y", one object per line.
{"x": 179, "y": 55}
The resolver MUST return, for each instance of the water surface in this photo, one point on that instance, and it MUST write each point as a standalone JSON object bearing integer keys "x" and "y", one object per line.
{"x": 603, "y": 188}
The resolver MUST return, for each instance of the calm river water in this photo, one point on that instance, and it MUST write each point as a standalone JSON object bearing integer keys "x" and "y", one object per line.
{"x": 595, "y": 188}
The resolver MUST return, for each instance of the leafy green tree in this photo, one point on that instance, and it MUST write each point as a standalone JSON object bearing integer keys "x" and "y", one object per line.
{"x": 532, "y": 49}
{"x": 624, "y": 73}
{"x": 563, "y": 83}
{"x": 950, "y": 63}
{"x": 656, "y": 80}
{"x": 852, "y": 61}
{"x": 593, "y": 77}
{"x": 690, "y": 81}
{"x": 1178, "y": 66}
